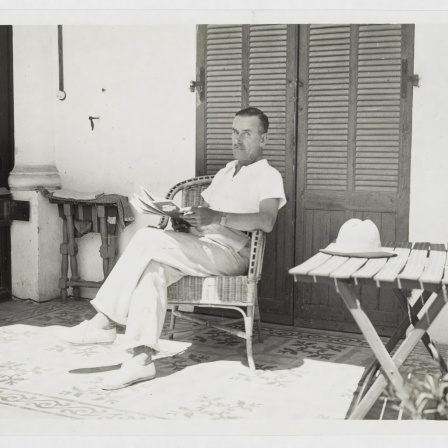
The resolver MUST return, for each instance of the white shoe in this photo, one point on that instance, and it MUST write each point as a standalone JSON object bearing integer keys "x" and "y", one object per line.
{"x": 85, "y": 333}
{"x": 129, "y": 373}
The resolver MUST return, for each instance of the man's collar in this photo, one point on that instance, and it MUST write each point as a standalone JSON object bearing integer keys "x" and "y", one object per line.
{"x": 234, "y": 163}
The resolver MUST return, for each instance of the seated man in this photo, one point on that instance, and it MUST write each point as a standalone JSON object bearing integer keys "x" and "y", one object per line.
{"x": 245, "y": 195}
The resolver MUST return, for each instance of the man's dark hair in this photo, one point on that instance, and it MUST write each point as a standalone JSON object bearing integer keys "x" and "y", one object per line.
{"x": 254, "y": 112}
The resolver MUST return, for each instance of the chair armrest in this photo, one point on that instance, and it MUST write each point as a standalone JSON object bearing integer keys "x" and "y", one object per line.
{"x": 257, "y": 245}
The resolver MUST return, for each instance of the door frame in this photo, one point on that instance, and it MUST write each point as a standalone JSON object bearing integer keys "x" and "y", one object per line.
{"x": 6, "y": 150}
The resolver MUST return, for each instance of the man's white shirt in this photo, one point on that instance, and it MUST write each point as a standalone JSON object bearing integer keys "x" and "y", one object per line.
{"x": 240, "y": 193}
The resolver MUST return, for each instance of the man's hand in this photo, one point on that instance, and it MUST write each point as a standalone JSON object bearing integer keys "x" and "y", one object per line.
{"x": 201, "y": 216}
{"x": 263, "y": 220}
{"x": 179, "y": 226}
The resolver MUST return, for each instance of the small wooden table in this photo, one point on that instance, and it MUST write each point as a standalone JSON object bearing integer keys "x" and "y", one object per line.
{"x": 102, "y": 217}
{"x": 421, "y": 266}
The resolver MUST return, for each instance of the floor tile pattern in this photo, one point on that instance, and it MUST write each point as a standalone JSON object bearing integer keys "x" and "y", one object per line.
{"x": 283, "y": 347}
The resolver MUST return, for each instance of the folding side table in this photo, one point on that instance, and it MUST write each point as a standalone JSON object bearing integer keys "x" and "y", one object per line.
{"x": 100, "y": 217}
{"x": 421, "y": 266}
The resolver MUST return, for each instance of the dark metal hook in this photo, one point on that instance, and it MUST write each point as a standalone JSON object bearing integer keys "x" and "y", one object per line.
{"x": 91, "y": 121}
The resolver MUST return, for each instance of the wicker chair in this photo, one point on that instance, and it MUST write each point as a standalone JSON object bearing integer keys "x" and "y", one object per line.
{"x": 237, "y": 292}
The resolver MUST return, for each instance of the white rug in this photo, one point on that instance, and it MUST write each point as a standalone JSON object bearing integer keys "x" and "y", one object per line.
{"x": 47, "y": 378}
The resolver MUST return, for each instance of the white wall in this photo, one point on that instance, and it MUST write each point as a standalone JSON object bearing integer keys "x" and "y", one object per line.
{"x": 34, "y": 81}
{"x": 429, "y": 159}
{"x": 146, "y": 131}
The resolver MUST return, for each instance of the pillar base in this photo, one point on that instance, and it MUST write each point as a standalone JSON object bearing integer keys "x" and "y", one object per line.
{"x": 35, "y": 258}
{"x": 29, "y": 177}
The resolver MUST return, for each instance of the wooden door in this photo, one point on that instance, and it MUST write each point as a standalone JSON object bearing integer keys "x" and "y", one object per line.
{"x": 253, "y": 65}
{"x": 6, "y": 150}
{"x": 354, "y": 129}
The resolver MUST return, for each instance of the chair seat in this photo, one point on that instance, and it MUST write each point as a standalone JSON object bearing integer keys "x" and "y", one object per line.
{"x": 212, "y": 290}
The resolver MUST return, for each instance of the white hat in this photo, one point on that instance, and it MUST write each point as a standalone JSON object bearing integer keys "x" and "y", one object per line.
{"x": 359, "y": 239}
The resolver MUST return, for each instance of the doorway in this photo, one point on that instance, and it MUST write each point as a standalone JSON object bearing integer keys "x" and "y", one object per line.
{"x": 340, "y": 109}
{"x": 6, "y": 151}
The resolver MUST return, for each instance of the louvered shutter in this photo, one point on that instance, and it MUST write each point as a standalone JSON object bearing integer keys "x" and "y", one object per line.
{"x": 374, "y": 68}
{"x": 354, "y": 122}
{"x": 233, "y": 83}
{"x": 328, "y": 103}
{"x": 224, "y": 56}
{"x": 378, "y": 108}
{"x": 267, "y": 85}
{"x": 253, "y": 65}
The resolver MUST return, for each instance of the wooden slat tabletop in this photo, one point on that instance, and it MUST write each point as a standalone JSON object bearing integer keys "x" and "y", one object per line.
{"x": 328, "y": 267}
{"x": 393, "y": 267}
{"x": 312, "y": 263}
{"x": 349, "y": 268}
{"x": 434, "y": 266}
{"x": 416, "y": 266}
{"x": 445, "y": 277}
{"x": 371, "y": 268}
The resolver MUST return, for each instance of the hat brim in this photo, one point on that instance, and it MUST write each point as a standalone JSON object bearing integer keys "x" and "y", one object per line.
{"x": 359, "y": 254}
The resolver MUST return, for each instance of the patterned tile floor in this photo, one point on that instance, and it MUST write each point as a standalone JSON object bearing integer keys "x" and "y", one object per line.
{"x": 282, "y": 347}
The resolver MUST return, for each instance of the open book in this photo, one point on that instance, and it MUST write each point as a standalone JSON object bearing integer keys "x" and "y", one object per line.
{"x": 147, "y": 203}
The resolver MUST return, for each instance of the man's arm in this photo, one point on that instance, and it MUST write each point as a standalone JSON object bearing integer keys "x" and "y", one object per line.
{"x": 263, "y": 220}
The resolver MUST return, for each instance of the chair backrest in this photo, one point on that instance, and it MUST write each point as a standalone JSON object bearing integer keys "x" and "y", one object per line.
{"x": 191, "y": 190}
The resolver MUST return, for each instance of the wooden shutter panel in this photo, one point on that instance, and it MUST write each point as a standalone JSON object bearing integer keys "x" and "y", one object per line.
{"x": 378, "y": 107}
{"x": 223, "y": 89}
{"x": 254, "y": 65}
{"x": 328, "y": 103}
{"x": 354, "y": 152}
{"x": 267, "y": 85}
{"x": 272, "y": 75}
{"x": 356, "y": 67}
{"x": 245, "y": 66}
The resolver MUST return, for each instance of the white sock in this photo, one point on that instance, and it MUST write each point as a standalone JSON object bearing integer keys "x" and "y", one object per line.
{"x": 143, "y": 359}
{"x": 142, "y": 355}
{"x": 102, "y": 322}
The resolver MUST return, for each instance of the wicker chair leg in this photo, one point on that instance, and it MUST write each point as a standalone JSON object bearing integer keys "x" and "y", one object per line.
{"x": 249, "y": 323}
{"x": 258, "y": 322}
{"x": 173, "y": 321}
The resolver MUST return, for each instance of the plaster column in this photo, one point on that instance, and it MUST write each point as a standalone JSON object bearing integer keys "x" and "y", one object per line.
{"x": 35, "y": 258}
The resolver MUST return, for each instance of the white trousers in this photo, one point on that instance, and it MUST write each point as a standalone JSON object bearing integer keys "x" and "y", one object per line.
{"x": 135, "y": 292}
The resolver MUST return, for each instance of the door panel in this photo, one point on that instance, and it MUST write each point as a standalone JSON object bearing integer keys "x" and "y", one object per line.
{"x": 254, "y": 65}
{"x": 6, "y": 150}
{"x": 353, "y": 153}
{"x": 321, "y": 306}
{"x": 350, "y": 114}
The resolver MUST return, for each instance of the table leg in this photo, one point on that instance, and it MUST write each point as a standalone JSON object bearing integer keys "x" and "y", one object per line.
{"x": 72, "y": 248}
{"x": 413, "y": 311}
{"x": 400, "y": 356}
{"x": 112, "y": 231}
{"x": 113, "y": 251}
{"x": 104, "y": 250}
{"x": 391, "y": 343}
{"x": 373, "y": 368}
{"x": 64, "y": 263}
{"x": 376, "y": 344}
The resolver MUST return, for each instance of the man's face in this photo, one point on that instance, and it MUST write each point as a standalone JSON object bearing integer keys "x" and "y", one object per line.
{"x": 247, "y": 140}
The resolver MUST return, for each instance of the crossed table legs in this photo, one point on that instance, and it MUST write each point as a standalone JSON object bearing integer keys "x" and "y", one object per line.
{"x": 391, "y": 364}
